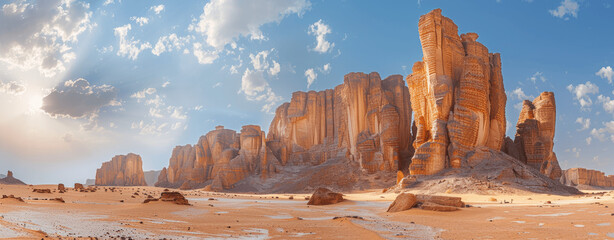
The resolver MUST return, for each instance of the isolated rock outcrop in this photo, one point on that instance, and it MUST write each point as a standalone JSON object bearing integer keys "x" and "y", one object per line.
{"x": 324, "y": 196}
{"x": 365, "y": 119}
{"x": 534, "y": 139}
{"x": 122, "y": 170}
{"x": 581, "y": 177}
{"x": 220, "y": 159}
{"x": 457, "y": 96}
{"x": 10, "y": 180}
{"x": 172, "y": 197}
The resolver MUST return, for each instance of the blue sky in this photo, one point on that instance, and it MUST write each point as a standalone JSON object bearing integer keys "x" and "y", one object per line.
{"x": 82, "y": 81}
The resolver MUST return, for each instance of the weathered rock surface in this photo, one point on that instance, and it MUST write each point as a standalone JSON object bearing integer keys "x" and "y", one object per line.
{"x": 404, "y": 201}
{"x": 43, "y": 190}
{"x": 10, "y": 180}
{"x": 78, "y": 186}
{"x": 12, "y": 197}
{"x": 151, "y": 177}
{"x": 122, "y": 170}
{"x": 365, "y": 119}
{"x": 534, "y": 139}
{"x": 172, "y": 197}
{"x": 581, "y": 177}
{"x": 441, "y": 200}
{"x": 488, "y": 171}
{"x": 220, "y": 159}
{"x": 437, "y": 207}
{"x": 457, "y": 96}
{"x": 324, "y": 196}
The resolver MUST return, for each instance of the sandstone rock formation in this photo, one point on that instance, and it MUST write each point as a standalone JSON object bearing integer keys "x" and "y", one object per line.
{"x": 10, "y": 180}
{"x": 365, "y": 119}
{"x": 534, "y": 139}
{"x": 220, "y": 159}
{"x": 122, "y": 170}
{"x": 404, "y": 201}
{"x": 457, "y": 95}
{"x": 151, "y": 177}
{"x": 172, "y": 197}
{"x": 78, "y": 186}
{"x": 581, "y": 177}
{"x": 324, "y": 196}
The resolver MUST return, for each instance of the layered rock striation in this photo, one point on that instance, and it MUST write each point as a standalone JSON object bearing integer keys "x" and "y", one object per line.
{"x": 534, "y": 140}
{"x": 586, "y": 177}
{"x": 122, "y": 170}
{"x": 457, "y": 96}
{"x": 221, "y": 158}
{"x": 365, "y": 119}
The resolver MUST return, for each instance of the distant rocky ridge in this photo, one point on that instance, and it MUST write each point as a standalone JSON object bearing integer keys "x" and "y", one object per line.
{"x": 151, "y": 177}
{"x": 10, "y": 180}
{"x": 585, "y": 178}
{"x": 122, "y": 170}
{"x": 2, "y": 176}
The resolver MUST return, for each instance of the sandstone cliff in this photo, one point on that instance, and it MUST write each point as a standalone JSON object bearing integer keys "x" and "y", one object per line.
{"x": 534, "y": 138}
{"x": 220, "y": 159}
{"x": 365, "y": 119}
{"x": 581, "y": 177}
{"x": 457, "y": 95}
{"x": 122, "y": 170}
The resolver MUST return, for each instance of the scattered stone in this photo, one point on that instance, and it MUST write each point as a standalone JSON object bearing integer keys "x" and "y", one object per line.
{"x": 355, "y": 217}
{"x": 437, "y": 207}
{"x": 404, "y": 201}
{"x": 46, "y": 190}
{"x": 19, "y": 198}
{"x": 324, "y": 196}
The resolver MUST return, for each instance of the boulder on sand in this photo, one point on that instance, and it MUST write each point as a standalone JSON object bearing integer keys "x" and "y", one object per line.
{"x": 441, "y": 200}
{"x": 324, "y": 196}
{"x": 404, "y": 201}
{"x": 174, "y": 197}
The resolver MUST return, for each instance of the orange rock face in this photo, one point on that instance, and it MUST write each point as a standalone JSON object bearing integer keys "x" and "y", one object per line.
{"x": 365, "y": 119}
{"x": 534, "y": 139}
{"x": 122, "y": 170}
{"x": 457, "y": 96}
{"x": 220, "y": 158}
{"x": 582, "y": 176}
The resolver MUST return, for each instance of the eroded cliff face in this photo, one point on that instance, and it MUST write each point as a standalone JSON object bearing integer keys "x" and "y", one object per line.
{"x": 221, "y": 158}
{"x": 534, "y": 140}
{"x": 365, "y": 119}
{"x": 581, "y": 176}
{"x": 457, "y": 96}
{"x": 122, "y": 170}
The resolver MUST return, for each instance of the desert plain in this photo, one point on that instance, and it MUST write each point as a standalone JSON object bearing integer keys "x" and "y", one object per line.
{"x": 121, "y": 213}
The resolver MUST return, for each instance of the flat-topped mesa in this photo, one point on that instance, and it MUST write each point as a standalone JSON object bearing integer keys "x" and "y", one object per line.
{"x": 365, "y": 119}
{"x": 457, "y": 96}
{"x": 221, "y": 158}
{"x": 586, "y": 177}
{"x": 122, "y": 170}
{"x": 534, "y": 140}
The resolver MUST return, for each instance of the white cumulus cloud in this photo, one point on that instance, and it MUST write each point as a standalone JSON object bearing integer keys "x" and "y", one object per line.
{"x": 567, "y": 7}
{"x": 584, "y": 122}
{"x": 606, "y": 73}
{"x": 140, "y": 20}
{"x": 224, "y": 21}
{"x": 538, "y": 76}
{"x": 320, "y": 30}
{"x": 608, "y": 103}
{"x": 157, "y": 9}
{"x": 311, "y": 76}
{"x": 12, "y": 87}
{"x": 170, "y": 43}
{"x": 582, "y": 91}
{"x": 129, "y": 47}
{"x": 39, "y": 34}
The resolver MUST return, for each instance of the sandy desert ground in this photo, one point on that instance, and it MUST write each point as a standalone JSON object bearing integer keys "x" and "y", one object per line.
{"x": 250, "y": 216}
